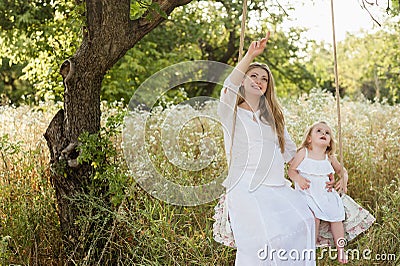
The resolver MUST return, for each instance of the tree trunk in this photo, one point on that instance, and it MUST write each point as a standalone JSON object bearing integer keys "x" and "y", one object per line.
{"x": 109, "y": 34}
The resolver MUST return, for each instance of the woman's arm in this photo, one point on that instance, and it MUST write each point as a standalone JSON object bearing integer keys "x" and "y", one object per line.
{"x": 290, "y": 148}
{"x": 294, "y": 175}
{"x": 256, "y": 48}
{"x": 234, "y": 80}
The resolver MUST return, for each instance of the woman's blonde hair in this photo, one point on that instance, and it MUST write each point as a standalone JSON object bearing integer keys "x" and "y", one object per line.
{"x": 270, "y": 109}
{"x": 330, "y": 150}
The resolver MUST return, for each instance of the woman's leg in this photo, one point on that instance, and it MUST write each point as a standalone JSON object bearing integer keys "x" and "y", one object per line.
{"x": 338, "y": 236}
{"x": 269, "y": 220}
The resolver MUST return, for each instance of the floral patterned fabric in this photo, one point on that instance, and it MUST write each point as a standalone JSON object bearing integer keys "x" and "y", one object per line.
{"x": 357, "y": 221}
{"x": 222, "y": 231}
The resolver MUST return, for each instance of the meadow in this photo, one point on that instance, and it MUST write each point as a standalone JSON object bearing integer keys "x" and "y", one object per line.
{"x": 149, "y": 231}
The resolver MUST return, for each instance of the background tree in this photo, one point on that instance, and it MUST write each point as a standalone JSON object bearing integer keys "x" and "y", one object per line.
{"x": 35, "y": 37}
{"x": 320, "y": 64}
{"x": 109, "y": 31}
{"x": 12, "y": 88}
{"x": 209, "y": 30}
{"x": 369, "y": 63}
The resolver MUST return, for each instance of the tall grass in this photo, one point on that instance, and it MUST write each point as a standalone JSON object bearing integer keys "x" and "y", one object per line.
{"x": 29, "y": 232}
{"x": 148, "y": 231}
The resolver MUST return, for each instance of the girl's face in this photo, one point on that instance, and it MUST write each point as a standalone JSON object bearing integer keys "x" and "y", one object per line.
{"x": 256, "y": 81}
{"x": 320, "y": 135}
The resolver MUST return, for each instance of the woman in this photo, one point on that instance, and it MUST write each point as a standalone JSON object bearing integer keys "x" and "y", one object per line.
{"x": 271, "y": 222}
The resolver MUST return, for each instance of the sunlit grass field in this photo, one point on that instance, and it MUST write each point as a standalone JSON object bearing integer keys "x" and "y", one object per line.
{"x": 148, "y": 231}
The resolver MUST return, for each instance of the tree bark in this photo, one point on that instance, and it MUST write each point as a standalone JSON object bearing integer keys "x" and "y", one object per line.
{"x": 109, "y": 34}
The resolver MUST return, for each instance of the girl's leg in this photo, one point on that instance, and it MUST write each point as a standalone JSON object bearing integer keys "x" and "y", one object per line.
{"x": 338, "y": 236}
{"x": 317, "y": 222}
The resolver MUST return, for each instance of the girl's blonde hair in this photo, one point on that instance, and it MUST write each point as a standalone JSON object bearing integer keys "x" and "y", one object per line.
{"x": 330, "y": 150}
{"x": 270, "y": 109}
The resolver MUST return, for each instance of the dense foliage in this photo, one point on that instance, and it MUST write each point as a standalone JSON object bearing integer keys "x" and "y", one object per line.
{"x": 37, "y": 36}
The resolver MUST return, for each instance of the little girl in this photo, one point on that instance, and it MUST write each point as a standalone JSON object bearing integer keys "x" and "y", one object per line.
{"x": 310, "y": 170}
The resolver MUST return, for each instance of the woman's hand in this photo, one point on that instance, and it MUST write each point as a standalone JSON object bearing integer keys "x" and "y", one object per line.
{"x": 257, "y": 47}
{"x": 303, "y": 182}
{"x": 330, "y": 183}
{"x": 341, "y": 185}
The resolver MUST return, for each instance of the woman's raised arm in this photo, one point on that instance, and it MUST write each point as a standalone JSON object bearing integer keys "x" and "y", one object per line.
{"x": 256, "y": 48}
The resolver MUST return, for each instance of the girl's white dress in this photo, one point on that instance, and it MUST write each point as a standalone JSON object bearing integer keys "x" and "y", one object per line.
{"x": 271, "y": 222}
{"x": 330, "y": 206}
{"x": 327, "y": 206}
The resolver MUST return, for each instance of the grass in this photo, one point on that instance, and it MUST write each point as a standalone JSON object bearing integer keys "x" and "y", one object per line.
{"x": 149, "y": 231}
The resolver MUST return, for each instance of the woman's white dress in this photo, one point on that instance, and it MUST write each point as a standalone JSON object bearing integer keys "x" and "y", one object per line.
{"x": 326, "y": 205}
{"x": 271, "y": 222}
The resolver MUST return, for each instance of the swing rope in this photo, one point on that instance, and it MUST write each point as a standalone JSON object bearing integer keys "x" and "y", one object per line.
{"x": 243, "y": 29}
{"x": 339, "y": 126}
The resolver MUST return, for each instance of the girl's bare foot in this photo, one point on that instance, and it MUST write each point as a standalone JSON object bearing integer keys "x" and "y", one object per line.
{"x": 342, "y": 257}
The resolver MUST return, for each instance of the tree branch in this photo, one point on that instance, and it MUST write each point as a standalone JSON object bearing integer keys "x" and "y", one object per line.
{"x": 140, "y": 27}
{"x": 372, "y": 17}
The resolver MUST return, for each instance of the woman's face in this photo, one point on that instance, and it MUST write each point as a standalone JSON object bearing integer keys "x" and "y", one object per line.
{"x": 256, "y": 81}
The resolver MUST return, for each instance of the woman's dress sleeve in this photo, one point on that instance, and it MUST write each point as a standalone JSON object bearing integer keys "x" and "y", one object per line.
{"x": 290, "y": 147}
{"x": 227, "y": 99}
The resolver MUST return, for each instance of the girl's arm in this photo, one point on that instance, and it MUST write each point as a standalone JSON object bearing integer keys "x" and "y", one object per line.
{"x": 294, "y": 175}
{"x": 342, "y": 183}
